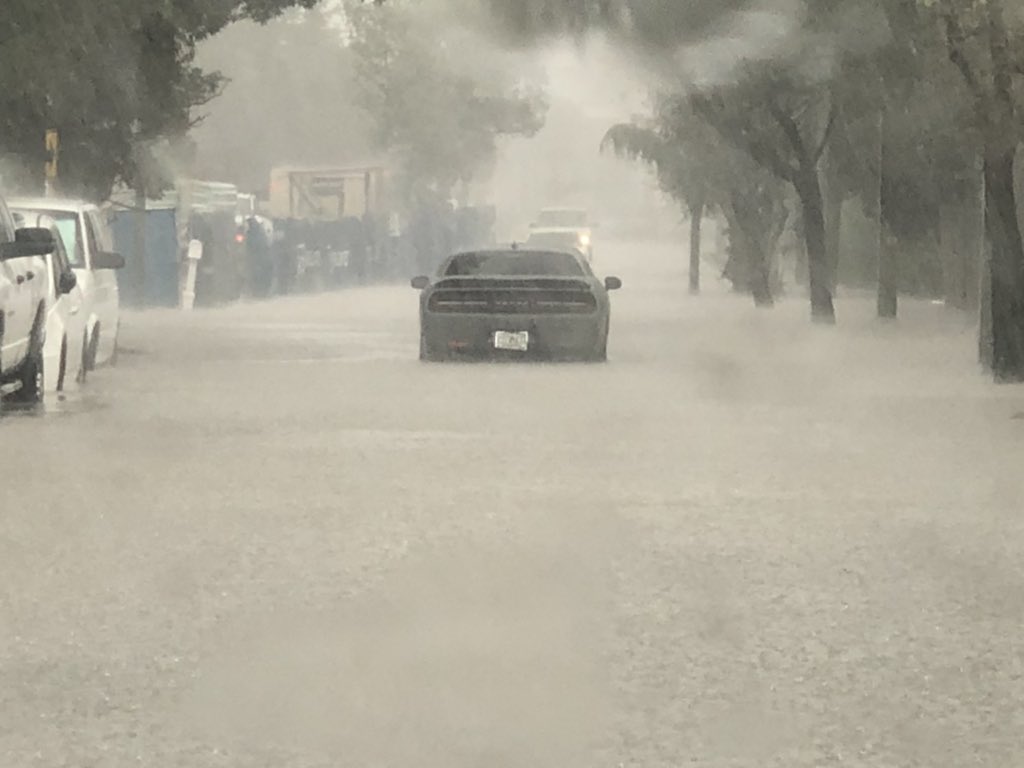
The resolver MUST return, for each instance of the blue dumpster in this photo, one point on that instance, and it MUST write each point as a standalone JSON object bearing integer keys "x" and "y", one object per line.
{"x": 154, "y": 282}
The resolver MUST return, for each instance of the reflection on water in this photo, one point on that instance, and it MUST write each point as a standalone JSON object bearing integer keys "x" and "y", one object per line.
{"x": 72, "y": 402}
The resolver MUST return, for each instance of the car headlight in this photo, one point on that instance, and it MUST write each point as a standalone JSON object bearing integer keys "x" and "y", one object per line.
{"x": 584, "y": 239}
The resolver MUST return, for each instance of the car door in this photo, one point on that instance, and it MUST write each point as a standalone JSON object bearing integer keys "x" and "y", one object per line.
{"x": 73, "y": 301}
{"x": 15, "y": 301}
{"x": 106, "y": 296}
{"x": 65, "y": 326}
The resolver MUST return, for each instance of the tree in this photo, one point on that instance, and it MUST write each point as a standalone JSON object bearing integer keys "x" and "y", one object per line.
{"x": 293, "y": 77}
{"x": 784, "y": 126}
{"x": 653, "y": 24}
{"x": 435, "y": 107}
{"x": 983, "y": 43}
{"x": 675, "y": 176}
{"x": 135, "y": 84}
{"x": 702, "y": 172}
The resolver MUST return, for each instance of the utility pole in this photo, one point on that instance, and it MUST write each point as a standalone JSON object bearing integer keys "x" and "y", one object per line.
{"x": 52, "y": 160}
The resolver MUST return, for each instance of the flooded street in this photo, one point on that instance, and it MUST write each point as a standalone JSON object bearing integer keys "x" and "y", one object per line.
{"x": 272, "y": 537}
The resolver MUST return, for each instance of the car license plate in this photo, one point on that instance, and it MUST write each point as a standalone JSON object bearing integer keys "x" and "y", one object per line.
{"x": 518, "y": 341}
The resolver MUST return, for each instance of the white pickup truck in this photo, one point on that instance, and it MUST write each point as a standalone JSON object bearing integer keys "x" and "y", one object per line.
{"x": 24, "y": 291}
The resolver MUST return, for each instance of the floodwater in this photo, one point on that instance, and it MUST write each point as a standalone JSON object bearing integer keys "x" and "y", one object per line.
{"x": 272, "y": 537}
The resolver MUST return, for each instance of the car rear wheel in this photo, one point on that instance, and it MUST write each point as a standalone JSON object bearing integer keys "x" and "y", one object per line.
{"x": 62, "y": 371}
{"x": 427, "y": 353}
{"x": 83, "y": 369}
{"x": 117, "y": 337}
{"x": 600, "y": 353}
{"x": 30, "y": 376}
{"x": 93, "y": 350}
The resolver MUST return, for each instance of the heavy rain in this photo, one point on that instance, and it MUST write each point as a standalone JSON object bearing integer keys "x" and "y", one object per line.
{"x": 536, "y": 383}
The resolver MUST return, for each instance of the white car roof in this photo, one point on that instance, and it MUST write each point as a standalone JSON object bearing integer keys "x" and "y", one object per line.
{"x": 64, "y": 205}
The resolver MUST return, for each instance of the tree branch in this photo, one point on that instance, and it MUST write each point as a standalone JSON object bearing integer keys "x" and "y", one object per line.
{"x": 833, "y": 115}
{"x": 746, "y": 141}
{"x": 789, "y": 128}
{"x": 956, "y": 40}
{"x": 768, "y": 158}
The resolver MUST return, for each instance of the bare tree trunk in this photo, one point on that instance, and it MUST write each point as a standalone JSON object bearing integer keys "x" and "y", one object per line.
{"x": 888, "y": 278}
{"x": 696, "y": 220}
{"x": 809, "y": 190}
{"x": 985, "y": 312}
{"x": 887, "y": 300}
{"x": 760, "y": 279}
{"x": 1006, "y": 264}
{"x": 1006, "y": 279}
{"x": 801, "y": 273}
{"x": 833, "y": 218}
{"x": 747, "y": 237}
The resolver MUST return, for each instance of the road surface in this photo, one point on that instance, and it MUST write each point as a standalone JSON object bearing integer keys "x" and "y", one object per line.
{"x": 271, "y": 537}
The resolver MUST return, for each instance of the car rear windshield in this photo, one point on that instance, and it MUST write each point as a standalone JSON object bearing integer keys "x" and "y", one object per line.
{"x": 515, "y": 263}
{"x": 562, "y": 218}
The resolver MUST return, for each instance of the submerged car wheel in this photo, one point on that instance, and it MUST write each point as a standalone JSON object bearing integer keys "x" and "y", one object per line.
{"x": 62, "y": 371}
{"x": 83, "y": 369}
{"x": 93, "y": 350}
{"x": 427, "y": 353}
{"x": 117, "y": 338}
{"x": 599, "y": 353}
{"x": 30, "y": 376}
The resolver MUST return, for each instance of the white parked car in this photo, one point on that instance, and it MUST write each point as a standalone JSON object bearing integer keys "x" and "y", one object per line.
{"x": 24, "y": 287}
{"x": 64, "y": 353}
{"x": 90, "y": 249}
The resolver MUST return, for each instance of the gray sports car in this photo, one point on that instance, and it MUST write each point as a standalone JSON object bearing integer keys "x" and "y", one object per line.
{"x": 514, "y": 303}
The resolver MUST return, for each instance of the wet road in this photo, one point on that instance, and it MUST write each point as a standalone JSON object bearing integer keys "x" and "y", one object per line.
{"x": 271, "y": 537}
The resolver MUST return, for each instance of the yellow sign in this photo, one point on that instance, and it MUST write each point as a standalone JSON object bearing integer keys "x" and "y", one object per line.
{"x": 52, "y": 152}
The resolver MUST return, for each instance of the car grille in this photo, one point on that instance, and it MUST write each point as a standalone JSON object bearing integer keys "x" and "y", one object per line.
{"x": 566, "y": 300}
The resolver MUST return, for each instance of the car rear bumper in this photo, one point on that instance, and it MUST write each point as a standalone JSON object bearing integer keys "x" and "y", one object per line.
{"x": 556, "y": 336}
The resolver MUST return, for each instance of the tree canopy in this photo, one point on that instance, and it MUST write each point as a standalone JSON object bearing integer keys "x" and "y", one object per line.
{"x": 114, "y": 77}
{"x": 437, "y": 106}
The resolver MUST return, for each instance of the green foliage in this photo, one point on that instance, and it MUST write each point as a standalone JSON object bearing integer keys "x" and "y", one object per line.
{"x": 291, "y": 77}
{"x": 648, "y": 23}
{"x": 436, "y": 108}
{"x": 115, "y": 77}
{"x": 696, "y": 167}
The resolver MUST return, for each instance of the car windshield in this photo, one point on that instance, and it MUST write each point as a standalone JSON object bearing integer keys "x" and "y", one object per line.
{"x": 67, "y": 224}
{"x": 562, "y": 218}
{"x": 515, "y": 263}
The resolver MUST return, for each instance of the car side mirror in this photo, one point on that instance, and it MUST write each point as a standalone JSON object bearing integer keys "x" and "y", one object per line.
{"x": 420, "y": 282}
{"x": 66, "y": 282}
{"x": 107, "y": 260}
{"x": 29, "y": 241}
{"x": 612, "y": 283}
